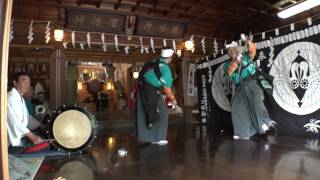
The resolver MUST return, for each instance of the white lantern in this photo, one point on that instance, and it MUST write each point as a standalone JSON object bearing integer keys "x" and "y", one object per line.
{"x": 58, "y": 34}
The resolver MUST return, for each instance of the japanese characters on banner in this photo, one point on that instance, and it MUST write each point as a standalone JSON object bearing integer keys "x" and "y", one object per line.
{"x": 191, "y": 76}
{"x": 292, "y": 56}
{"x": 204, "y": 107}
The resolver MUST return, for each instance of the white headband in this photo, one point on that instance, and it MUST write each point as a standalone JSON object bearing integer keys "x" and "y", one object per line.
{"x": 165, "y": 53}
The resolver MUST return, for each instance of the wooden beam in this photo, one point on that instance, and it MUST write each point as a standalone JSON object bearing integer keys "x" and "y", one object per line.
{"x": 6, "y": 13}
{"x": 117, "y": 5}
{"x": 134, "y": 8}
{"x": 96, "y": 3}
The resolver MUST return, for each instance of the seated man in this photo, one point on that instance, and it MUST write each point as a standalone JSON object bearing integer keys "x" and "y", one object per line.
{"x": 19, "y": 121}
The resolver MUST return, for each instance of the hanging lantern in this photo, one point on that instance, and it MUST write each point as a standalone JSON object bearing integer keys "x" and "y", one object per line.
{"x": 79, "y": 84}
{"x": 135, "y": 75}
{"x": 189, "y": 45}
{"x": 58, "y": 34}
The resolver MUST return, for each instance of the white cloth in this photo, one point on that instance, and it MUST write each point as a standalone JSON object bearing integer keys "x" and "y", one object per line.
{"x": 18, "y": 118}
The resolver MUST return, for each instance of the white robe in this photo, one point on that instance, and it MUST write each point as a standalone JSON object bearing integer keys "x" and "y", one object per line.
{"x": 19, "y": 121}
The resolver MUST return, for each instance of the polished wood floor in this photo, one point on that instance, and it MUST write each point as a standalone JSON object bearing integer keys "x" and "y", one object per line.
{"x": 193, "y": 153}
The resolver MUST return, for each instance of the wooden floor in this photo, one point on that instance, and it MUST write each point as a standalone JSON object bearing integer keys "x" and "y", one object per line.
{"x": 193, "y": 153}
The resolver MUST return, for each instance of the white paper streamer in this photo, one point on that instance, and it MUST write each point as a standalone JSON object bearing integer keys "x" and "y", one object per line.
{"x": 276, "y": 31}
{"x": 104, "y": 48}
{"x": 103, "y": 40}
{"x": 11, "y": 32}
{"x": 146, "y": 50}
{"x": 141, "y": 45}
{"x": 30, "y": 33}
{"x": 116, "y": 42}
{"x": 309, "y": 21}
{"x": 191, "y": 38}
{"x": 215, "y": 46}
{"x": 174, "y": 46}
{"x": 47, "y": 32}
{"x": 126, "y": 49}
{"x": 89, "y": 40}
{"x": 292, "y": 27}
{"x": 271, "y": 54}
{"x": 164, "y": 41}
{"x": 73, "y": 39}
{"x": 82, "y": 46}
{"x": 203, "y": 43}
{"x": 263, "y": 35}
{"x": 65, "y": 45}
{"x": 152, "y": 45}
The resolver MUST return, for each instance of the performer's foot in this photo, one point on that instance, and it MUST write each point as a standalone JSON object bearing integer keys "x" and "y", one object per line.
{"x": 161, "y": 142}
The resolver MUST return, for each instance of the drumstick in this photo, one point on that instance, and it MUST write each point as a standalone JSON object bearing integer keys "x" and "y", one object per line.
{"x": 45, "y": 140}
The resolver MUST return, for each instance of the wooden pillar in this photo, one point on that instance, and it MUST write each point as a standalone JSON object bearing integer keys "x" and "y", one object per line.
{"x": 57, "y": 78}
{"x": 188, "y": 101}
{"x": 5, "y": 19}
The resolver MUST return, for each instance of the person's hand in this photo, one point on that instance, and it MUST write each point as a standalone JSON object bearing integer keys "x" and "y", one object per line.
{"x": 34, "y": 138}
{"x": 252, "y": 49}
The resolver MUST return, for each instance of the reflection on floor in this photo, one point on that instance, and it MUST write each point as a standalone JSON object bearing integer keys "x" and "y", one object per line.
{"x": 193, "y": 153}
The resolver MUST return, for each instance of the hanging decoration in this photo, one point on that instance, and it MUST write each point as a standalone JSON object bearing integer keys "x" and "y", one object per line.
{"x": 116, "y": 42}
{"x": 126, "y": 49}
{"x": 11, "y": 31}
{"x": 203, "y": 43}
{"x": 276, "y": 31}
{"x": 73, "y": 39}
{"x": 30, "y": 33}
{"x": 89, "y": 40}
{"x": 103, "y": 40}
{"x": 141, "y": 45}
{"x": 65, "y": 45}
{"x": 271, "y": 55}
{"x": 152, "y": 45}
{"x": 292, "y": 26}
{"x": 82, "y": 46}
{"x": 174, "y": 46}
{"x": 215, "y": 47}
{"x": 146, "y": 49}
{"x": 309, "y": 21}
{"x": 164, "y": 41}
{"x": 47, "y": 32}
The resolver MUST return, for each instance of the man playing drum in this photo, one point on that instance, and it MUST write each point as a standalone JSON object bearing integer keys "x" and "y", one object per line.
{"x": 19, "y": 121}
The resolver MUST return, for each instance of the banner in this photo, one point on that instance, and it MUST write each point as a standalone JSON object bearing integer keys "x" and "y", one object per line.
{"x": 293, "y": 59}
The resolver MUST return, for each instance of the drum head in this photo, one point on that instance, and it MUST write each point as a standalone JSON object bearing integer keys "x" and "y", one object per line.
{"x": 72, "y": 129}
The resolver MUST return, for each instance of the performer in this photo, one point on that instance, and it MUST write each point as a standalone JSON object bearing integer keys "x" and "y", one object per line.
{"x": 151, "y": 114}
{"x": 249, "y": 114}
{"x": 19, "y": 121}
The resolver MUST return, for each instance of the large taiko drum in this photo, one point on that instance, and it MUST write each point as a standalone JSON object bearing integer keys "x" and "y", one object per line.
{"x": 73, "y": 129}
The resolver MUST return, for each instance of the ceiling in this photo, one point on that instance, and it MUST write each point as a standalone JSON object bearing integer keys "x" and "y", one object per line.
{"x": 221, "y": 19}
{"x": 218, "y": 18}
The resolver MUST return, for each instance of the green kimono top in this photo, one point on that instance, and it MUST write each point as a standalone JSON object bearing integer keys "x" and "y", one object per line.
{"x": 249, "y": 70}
{"x": 30, "y": 108}
{"x": 165, "y": 80}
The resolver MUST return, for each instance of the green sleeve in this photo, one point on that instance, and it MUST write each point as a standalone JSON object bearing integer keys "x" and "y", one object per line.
{"x": 166, "y": 79}
{"x": 166, "y": 75}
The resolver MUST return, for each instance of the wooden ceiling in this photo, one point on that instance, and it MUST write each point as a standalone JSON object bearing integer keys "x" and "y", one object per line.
{"x": 224, "y": 19}
{"x": 218, "y": 18}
